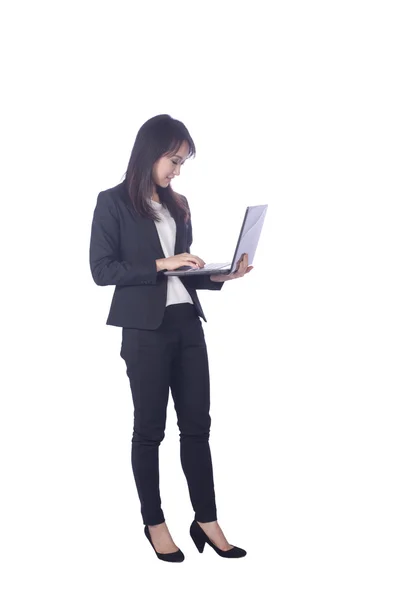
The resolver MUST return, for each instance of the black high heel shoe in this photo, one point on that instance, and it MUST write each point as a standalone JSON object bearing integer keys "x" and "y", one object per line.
{"x": 170, "y": 556}
{"x": 200, "y": 539}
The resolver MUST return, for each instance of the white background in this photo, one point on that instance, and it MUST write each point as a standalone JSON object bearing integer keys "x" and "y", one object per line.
{"x": 293, "y": 104}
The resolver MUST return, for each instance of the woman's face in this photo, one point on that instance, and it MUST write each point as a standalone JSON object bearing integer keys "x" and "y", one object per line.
{"x": 168, "y": 166}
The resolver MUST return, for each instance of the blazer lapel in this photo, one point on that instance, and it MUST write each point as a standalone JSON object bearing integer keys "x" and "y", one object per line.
{"x": 181, "y": 236}
{"x": 150, "y": 232}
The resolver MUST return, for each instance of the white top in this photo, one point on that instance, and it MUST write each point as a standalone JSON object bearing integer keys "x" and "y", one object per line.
{"x": 176, "y": 292}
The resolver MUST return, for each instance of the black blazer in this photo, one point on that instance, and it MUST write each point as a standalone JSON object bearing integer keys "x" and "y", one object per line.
{"x": 123, "y": 249}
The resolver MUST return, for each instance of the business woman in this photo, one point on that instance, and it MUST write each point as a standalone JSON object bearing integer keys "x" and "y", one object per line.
{"x": 140, "y": 228}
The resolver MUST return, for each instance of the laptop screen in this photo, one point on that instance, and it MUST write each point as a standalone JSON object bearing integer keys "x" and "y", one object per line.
{"x": 250, "y": 233}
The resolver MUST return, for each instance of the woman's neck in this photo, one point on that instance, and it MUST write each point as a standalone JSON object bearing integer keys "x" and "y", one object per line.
{"x": 155, "y": 195}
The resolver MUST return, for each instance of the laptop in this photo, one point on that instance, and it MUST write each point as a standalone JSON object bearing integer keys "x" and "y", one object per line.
{"x": 247, "y": 243}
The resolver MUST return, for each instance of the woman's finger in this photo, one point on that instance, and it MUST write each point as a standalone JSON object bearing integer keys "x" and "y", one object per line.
{"x": 244, "y": 264}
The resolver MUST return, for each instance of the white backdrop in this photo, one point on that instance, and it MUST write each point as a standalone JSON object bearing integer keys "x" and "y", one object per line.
{"x": 290, "y": 104}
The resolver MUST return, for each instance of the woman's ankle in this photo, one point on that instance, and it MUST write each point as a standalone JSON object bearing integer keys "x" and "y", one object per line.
{"x": 163, "y": 524}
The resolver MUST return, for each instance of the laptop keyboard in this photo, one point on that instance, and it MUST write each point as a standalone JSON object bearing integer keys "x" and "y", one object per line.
{"x": 214, "y": 266}
{"x": 207, "y": 267}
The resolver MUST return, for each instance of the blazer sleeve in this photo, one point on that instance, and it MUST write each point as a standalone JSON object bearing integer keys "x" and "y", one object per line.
{"x": 198, "y": 282}
{"x": 105, "y": 266}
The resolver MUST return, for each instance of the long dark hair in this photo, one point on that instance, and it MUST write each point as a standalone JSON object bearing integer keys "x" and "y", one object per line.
{"x": 158, "y": 136}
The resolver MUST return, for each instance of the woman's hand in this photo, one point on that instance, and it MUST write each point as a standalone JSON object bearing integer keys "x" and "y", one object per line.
{"x": 243, "y": 269}
{"x": 179, "y": 260}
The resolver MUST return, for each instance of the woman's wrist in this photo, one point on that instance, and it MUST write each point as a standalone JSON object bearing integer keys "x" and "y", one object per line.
{"x": 160, "y": 264}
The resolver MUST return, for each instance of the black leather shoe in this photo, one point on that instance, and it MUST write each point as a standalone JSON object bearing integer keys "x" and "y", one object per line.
{"x": 170, "y": 556}
{"x": 200, "y": 539}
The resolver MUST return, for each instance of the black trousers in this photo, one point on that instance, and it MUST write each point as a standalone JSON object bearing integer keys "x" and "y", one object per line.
{"x": 173, "y": 356}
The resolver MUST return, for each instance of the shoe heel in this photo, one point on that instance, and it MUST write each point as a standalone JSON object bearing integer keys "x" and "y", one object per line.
{"x": 198, "y": 541}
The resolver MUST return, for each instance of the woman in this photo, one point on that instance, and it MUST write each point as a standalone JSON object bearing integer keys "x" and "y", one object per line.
{"x": 140, "y": 228}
